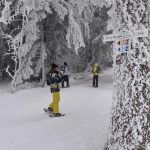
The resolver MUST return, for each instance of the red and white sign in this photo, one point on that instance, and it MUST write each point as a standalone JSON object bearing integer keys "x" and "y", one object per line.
{"x": 122, "y": 46}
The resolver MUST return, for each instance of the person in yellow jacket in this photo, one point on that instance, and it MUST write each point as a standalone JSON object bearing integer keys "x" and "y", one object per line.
{"x": 95, "y": 71}
{"x": 54, "y": 79}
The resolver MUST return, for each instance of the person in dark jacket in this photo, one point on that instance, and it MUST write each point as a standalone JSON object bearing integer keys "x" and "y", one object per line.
{"x": 65, "y": 75}
{"x": 55, "y": 79}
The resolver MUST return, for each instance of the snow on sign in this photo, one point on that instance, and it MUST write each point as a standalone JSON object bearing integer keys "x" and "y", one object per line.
{"x": 122, "y": 46}
{"x": 125, "y": 35}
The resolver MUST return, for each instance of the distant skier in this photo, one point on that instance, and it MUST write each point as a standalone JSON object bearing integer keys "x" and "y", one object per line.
{"x": 54, "y": 78}
{"x": 95, "y": 71}
{"x": 65, "y": 72}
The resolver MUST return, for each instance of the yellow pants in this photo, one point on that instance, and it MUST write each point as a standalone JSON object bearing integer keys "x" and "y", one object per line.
{"x": 55, "y": 104}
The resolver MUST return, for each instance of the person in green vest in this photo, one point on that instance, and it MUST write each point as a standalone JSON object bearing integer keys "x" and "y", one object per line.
{"x": 95, "y": 71}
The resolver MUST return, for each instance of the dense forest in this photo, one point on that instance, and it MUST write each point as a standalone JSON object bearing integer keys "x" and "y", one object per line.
{"x": 35, "y": 34}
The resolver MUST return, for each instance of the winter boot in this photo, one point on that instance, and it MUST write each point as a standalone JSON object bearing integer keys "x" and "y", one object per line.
{"x": 50, "y": 109}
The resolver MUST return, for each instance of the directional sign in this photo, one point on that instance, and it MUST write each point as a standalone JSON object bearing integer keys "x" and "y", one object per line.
{"x": 122, "y": 46}
{"x": 123, "y": 35}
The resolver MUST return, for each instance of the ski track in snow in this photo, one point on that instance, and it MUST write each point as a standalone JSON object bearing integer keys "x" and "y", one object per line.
{"x": 25, "y": 126}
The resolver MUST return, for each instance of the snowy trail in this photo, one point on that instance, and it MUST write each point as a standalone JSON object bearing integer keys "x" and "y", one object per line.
{"x": 25, "y": 126}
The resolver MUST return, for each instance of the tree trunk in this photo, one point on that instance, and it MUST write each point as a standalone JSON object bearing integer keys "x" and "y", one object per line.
{"x": 130, "y": 118}
{"x": 43, "y": 53}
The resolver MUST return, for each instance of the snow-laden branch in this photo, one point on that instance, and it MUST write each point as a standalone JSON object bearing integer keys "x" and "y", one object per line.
{"x": 7, "y": 71}
{"x": 74, "y": 34}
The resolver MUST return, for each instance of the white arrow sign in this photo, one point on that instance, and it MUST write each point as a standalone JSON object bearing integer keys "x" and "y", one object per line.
{"x": 132, "y": 34}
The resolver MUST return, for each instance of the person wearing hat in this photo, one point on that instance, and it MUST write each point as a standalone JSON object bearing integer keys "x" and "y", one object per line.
{"x": 54, "y": 80}
{"x": 95, "y": 71}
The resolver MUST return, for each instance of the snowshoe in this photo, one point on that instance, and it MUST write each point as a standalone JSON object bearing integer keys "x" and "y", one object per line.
{"x": 48, "y": 110}
{"x": 56, "y": 115}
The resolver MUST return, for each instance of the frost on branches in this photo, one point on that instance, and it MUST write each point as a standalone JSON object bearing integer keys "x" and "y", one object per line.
{"x": 23, "y": 20}
{"x": 20, "y": 39}
{"x": 74, "y": 34}
{"x": 23, "y": 36}
{"x": 130, "y": 119}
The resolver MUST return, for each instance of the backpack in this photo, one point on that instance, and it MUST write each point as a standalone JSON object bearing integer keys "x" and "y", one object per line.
{"x": 98, "y": 69}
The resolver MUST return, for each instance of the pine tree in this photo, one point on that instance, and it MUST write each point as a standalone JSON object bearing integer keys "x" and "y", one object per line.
{"x": 130, "y": 118}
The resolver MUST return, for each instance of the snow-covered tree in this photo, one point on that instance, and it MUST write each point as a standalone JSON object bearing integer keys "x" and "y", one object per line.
{"x": 130, "y": 118}
{"x": 25, "y": 29}
{"x": 20, "y": 44}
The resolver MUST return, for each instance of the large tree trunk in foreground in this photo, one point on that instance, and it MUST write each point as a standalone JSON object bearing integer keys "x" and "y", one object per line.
{"x": 130, "y": 118}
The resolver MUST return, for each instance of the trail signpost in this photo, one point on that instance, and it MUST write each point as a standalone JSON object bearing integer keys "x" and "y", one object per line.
{"x": 123, "y": 40}
{"x": 122, "y": 46}
{"x": 126, "y": 35}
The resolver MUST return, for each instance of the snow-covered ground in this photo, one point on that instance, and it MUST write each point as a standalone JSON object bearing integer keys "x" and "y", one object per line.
{"x": 25, "y": 126}
{"x": 4, "y": 87}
